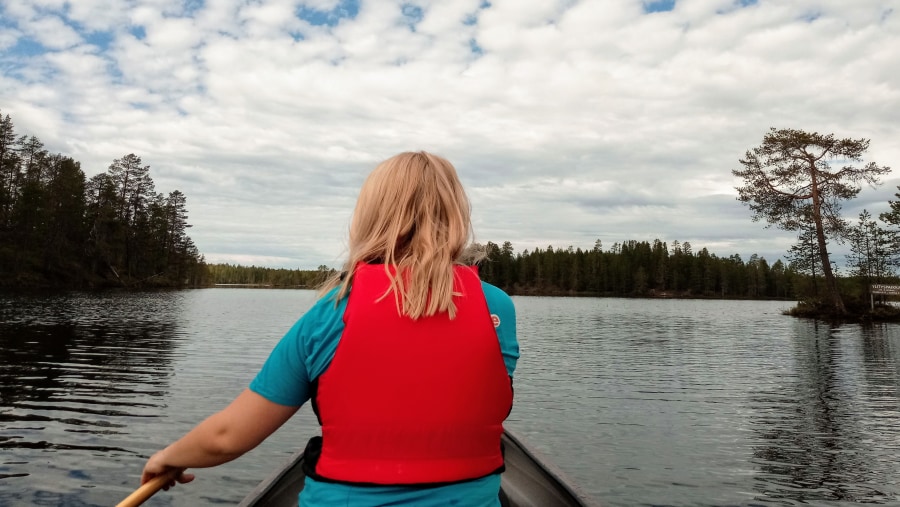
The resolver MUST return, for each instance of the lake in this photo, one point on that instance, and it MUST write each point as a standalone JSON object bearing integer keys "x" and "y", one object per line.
{"x": 638, "y": 401}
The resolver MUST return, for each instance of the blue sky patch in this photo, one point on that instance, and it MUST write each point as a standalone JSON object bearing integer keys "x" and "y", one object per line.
{"x": 412, "y": 14}
{"x": 658, "y": 5}
{"x": 192, "y": 6}
{"x": 475, "y": 48}
{"x": 346, "y": 9}
{"x": 100, "y": 39}
{"x": 472, "y": 18}
{"x": 27, "y": 47}
{"x": 138, "y": 32}
{"x": 4, "y": 18}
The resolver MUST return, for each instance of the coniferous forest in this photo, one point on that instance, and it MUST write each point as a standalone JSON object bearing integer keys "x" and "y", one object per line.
{"x": 630, "y": 268}
{"x": 636, "y": 268}
{"x": 61, "y": 229}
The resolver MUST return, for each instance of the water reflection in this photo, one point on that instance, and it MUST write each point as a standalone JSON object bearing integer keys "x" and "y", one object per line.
{"x": 881, "y": 362}
{"x": 641, "y": 402}
{"x": 73, "y": 380}
{"x": 814, "y": 441}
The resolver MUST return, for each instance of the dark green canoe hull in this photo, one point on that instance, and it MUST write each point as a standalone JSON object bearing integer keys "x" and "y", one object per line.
{"x": 529, "y": 481}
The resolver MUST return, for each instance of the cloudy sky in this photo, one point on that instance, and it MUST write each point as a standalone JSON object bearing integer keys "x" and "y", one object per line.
{"x": 569, "y": 121}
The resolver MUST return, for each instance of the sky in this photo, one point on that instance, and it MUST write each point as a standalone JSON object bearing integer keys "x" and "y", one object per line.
{"x": 568, "y": 121}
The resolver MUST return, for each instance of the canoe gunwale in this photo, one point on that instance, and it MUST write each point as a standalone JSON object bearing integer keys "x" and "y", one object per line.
{"x": 548, "y": 467}
{"x": 530, "y": 480}
{"x": 272, "y": 480}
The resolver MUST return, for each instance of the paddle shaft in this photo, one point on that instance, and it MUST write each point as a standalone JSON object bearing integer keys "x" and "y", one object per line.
{"x": 143, "y": 493}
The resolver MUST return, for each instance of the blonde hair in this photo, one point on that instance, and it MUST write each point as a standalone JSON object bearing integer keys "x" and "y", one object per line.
{"x": 412, "y": 215}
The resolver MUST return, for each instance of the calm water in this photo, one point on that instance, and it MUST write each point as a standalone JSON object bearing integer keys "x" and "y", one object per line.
{"x": 640, "y": 402}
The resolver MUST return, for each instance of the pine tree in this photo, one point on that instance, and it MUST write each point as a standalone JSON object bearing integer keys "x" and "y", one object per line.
{"x": 790, "y": 182}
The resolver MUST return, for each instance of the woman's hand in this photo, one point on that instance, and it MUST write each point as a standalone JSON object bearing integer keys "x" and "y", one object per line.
{"x": 222, "y": 437}
{"x": 156, "y": 466}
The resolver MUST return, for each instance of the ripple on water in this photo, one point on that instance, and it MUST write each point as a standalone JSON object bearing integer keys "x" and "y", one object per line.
{"x": 641, "y": 402}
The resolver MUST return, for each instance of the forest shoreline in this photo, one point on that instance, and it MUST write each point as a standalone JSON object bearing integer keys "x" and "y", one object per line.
{"x": 137, "y": 286}
{"x": 858, "y": 313}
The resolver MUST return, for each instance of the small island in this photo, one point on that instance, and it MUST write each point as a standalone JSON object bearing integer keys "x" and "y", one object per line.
{"x": 797, "y": 181}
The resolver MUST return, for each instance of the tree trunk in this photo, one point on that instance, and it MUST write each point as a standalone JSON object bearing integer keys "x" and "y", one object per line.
{"x": 830, "y": 280}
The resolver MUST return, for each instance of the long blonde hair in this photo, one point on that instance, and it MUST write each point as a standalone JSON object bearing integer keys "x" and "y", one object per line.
{"x": 413, "y": 216}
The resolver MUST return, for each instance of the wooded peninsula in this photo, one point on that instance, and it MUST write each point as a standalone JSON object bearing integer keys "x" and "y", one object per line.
{"x": 60, "y": 229}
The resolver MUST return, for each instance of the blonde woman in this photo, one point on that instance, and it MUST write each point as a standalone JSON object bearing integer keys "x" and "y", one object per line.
{"x": 407, "y": 358}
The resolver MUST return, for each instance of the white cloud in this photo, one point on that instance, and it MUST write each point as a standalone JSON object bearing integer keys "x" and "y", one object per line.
{"x": 97, "y": 15}
{"x": 8, "y": 37}
{"x": 51, "y": 32}
{"x": 568, "y": 121}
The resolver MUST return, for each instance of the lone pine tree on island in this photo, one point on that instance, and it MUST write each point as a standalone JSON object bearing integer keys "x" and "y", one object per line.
{"x": 797, "y": 180}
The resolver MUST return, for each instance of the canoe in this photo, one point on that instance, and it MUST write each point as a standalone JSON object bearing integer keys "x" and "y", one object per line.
{"x": 529, "y": 481}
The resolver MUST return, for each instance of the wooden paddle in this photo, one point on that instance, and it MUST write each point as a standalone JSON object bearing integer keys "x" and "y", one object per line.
{"x": 143, "y": 493}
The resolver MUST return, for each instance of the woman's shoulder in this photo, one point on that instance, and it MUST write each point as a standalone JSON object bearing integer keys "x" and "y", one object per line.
{"x": 329, "y": 301}
{"x": 495, "y": 296}
{"x": 493, "y": 290}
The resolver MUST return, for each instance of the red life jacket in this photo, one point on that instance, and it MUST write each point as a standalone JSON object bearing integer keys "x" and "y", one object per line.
{"x": 412, "y": 401}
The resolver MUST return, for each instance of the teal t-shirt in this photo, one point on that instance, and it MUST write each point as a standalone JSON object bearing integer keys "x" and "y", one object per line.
{"x": 305, "y": 352}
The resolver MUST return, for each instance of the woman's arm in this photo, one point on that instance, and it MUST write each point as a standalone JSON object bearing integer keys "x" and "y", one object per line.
{"x": 222, "y": 437}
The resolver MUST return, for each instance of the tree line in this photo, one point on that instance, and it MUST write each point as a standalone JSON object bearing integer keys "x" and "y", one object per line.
{"x": 630, "y": 268}
{"x": 59, "y": 228}
{"x": 636, "y": 268}
{"x": 257, "y": 276}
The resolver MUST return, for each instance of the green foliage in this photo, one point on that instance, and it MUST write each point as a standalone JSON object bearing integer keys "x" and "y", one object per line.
{"x": 59, "y": 229}
{"x": 635, "y": 268}
{"x": 232, "y": 274}
{"x": 872, "y": 250}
